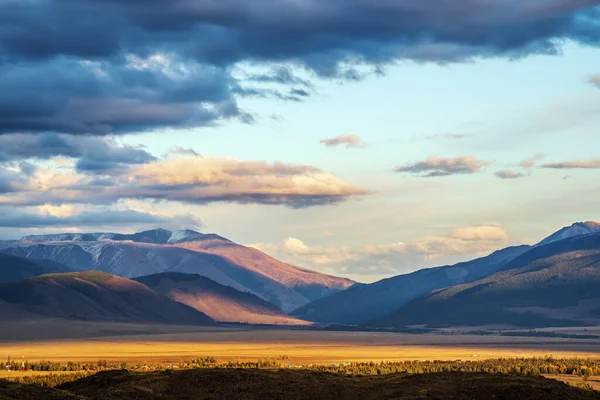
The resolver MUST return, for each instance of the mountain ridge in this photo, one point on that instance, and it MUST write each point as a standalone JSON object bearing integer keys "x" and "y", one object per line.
{"x": 96, "y": 296}
{"x": 551, "y": 285}
{"x": 156, "y": 251}
{"x": 221, "y": 303}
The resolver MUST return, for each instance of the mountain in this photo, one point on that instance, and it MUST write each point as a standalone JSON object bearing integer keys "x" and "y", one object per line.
{"x": 551, "y": 285}
{"x": 221, "y": 303}
{"x": 15, "y": 268}
{"x": 157, "y": 251}
{"x": 94, "y": 296}
{"x": 362, "y": 303}
{"x": 578, "y": 228}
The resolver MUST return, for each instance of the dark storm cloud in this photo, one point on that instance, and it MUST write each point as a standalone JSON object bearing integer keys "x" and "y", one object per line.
{"x": 94, "y": 154}
{"x": 281, "y": 75}
{"x": 86, "y": 66}
{"x": 114, "y": 96}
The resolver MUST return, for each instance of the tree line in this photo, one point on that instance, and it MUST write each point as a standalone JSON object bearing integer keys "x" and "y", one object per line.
{"x": 70, "y": 371}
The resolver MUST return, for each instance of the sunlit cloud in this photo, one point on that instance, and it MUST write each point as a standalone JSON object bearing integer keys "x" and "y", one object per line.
{"x": 391, "y": 258}
{"x": 191, "y": 179}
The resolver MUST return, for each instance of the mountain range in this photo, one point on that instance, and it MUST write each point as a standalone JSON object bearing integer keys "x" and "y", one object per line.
{"x": 157, "y": 251}
{"x": 362, "y": 304}
{"x": 555, "y": 284}
{"x": 186, "y": 277}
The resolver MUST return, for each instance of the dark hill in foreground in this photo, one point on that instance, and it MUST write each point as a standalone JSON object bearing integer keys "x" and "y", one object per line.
{"x": 251, "y": 384}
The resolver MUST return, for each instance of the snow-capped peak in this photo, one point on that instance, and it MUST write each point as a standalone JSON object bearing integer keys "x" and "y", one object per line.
{"x": 578, "y": 228}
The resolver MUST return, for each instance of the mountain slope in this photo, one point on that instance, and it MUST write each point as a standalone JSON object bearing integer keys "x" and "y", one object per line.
{"x": 365, "y": 302}
{"x": 310, "y": 284}
{"x": 221, "y": 303}
{"x": 209, "y": 255}
{"x": 96, "y": 296}
{"x": 577, "y": 229}
{"x": 551, "y": 285}
{"x": 15, "y": 268}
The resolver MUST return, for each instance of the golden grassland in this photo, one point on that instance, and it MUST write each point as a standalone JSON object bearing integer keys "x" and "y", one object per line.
{"x": 13, "y": 374}
{"x": 137, "y": 343}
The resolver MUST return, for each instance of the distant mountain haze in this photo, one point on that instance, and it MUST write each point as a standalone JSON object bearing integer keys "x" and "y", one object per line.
{"x": 157, "y": 251}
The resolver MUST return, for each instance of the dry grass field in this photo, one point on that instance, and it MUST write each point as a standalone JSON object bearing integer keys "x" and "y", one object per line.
{"x": 13, "y": 374}
{"x": 138, "y": 343}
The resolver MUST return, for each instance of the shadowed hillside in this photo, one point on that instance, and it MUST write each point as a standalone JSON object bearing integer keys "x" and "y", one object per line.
{"x": 157, "y": 251}
{"x": 221, "y": 303}
{"x": 15, "y": 268}
{"x": 95, "y": 296}
{"x": 552, "y": 285}
{"x": 364, "y": 302}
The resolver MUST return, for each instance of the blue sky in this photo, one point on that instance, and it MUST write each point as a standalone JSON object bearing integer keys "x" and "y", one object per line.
{"x": 155, "y": 128}
{"x": 507, "y": 110}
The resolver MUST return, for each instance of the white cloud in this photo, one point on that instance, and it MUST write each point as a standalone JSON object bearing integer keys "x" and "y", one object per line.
{"x": 392, "y": 258}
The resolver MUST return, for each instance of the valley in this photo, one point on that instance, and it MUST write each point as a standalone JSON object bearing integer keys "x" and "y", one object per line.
{"x": 160, "y": 343}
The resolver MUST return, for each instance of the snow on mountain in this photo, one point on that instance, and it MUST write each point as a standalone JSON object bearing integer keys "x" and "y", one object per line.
{"x": 186, "y": 251}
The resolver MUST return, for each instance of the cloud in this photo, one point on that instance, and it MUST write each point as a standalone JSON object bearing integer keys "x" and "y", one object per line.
{"x": 587, "y": 164}
{"x": 179, "y": 150}
{"x": 595, "y": 79}
{"x": 168, "y": 64}
{"x": 452, "y": 136}
{"x": 120, "y": 95}
{"x": 100, "y": 218}
{"x": 350, "y": 141}
{"x": 509, "y": 174}
{"x": 192, "y": 180}
{"x": 283, "y": 75}
{"x": 530, "y": 162}
{"x": 93, "y": 154}
{"x": 526, "y": 165}
{"x": 392, "y": 258}
{"x": 480, "y": 232}
{"x": 437, "y": 166}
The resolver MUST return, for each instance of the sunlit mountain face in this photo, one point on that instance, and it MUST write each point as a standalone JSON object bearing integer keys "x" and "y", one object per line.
{"x": 355, "y": 139}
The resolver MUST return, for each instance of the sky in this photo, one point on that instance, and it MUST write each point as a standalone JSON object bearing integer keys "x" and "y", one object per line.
{"x": 358, "y": 138}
